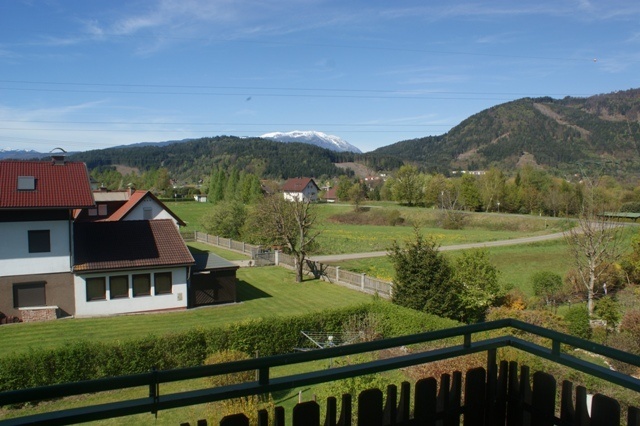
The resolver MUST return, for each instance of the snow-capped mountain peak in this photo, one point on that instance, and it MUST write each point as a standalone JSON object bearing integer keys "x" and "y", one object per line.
{"x": 312, "y": 137}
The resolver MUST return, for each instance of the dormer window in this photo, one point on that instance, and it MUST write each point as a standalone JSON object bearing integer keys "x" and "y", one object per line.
{"x": 26, "y": 183}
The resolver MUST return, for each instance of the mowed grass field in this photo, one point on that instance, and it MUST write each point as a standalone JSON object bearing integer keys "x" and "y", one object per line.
{"x": 516, "y": 263}
{"x": 262, "y": 293}
{"x": 338, "y": 238}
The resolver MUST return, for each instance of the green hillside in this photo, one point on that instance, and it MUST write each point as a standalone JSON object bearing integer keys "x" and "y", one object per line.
{"x": 566, "y": 135}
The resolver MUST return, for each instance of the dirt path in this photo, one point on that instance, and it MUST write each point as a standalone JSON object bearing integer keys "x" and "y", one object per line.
{"x": 515, "y": 241}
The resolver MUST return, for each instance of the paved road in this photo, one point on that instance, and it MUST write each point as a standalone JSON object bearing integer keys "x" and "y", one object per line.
{"x": 515, "y": 241}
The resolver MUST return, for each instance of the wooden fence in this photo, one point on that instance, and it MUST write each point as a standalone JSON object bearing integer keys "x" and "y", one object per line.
{"x": 333, "y": 274}
{"x": 486, "y": 399}
{"x": 226, "y": 243}
{"x": 499, "y": 396}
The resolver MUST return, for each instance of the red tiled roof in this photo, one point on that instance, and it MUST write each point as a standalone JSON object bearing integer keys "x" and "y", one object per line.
{"x": 331, "y": 194}
{"x": 128, "y": 245}
{"x": 297, "y": 184}
{"x": 136, "y": 198}
{"x": 56, "y": 185}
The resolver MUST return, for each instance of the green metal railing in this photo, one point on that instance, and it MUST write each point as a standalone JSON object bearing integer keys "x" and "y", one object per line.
{"x": 155, "y": 402}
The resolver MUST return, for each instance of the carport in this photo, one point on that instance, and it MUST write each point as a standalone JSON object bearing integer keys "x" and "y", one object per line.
{"x": 213, "y": 281}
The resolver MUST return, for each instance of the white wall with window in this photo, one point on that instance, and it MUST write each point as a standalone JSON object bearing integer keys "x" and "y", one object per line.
{"x": 130, "y": 291}
{"x": 38, "y": 247}
{"x": 148, "y": 209}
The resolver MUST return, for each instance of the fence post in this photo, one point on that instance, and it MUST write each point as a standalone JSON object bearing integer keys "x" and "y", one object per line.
{"x": 362, "y": 281}
{"x": 276, "y": 259}
{"x": 337, "y": 274}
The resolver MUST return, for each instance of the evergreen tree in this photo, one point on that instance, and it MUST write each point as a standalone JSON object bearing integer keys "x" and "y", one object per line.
{"x": 423, "y": 278}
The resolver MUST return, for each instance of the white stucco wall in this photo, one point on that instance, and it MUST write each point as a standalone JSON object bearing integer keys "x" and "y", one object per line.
{"x": 15, "y": 258}
{"x": 175, "y": 300}
{"x": 157, "y": 212}
{"x": 309, "y": 193}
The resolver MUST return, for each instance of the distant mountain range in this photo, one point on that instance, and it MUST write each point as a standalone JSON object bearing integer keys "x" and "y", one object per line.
{"x": 19, "y": 154}
{"x": 568, "y": 135}
{"x": 312, "y": 137}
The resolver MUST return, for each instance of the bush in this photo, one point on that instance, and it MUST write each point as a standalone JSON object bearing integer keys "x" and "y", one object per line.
{"x": 577, "y": 318}
{"x": 547, "y": 285}
{"x": 91, "y": 360}
{"x": 247, "y": 404}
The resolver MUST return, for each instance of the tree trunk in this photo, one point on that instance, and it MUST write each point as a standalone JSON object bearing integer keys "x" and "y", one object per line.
{"x": 299, "y": 266}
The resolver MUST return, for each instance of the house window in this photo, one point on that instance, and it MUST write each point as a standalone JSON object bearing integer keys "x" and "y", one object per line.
{"x": 93, "y": 212}
{"x": 102, "y": 209}
{"x": 162, "y": 283}
{"x": 146, "y": 213}
{"x": 39, "y": 241}
{"x": 118, "y": 286}
{"x": 96, "y": 288}
{"x": 29, "y": 294}
{"x": 141, "y": 285}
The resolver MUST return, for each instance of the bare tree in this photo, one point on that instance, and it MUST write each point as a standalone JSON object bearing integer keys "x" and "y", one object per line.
{"x": 288, "y": 224}
{"x": 594, "y": 243}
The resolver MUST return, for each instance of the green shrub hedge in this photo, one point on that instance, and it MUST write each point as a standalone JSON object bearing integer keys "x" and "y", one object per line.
{"x": 84, "y": 360}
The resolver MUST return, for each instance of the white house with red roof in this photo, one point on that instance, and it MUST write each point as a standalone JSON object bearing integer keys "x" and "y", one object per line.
{"x": 62, "y": 253}
{"x": 37, "y": 199}
{"x": 300, "y": 189}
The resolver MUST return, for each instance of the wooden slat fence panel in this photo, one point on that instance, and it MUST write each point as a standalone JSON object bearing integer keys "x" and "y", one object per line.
{"x": 433, "y": 405}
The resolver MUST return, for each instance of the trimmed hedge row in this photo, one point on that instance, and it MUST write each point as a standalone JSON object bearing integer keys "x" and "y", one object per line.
{"x": 83, "y": 360}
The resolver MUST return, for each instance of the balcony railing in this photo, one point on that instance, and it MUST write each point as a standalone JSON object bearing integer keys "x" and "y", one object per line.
{"x": 556, "y": 351}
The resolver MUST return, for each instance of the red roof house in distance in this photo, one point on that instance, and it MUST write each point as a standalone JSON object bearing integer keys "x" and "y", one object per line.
{"x": 300, "y": 189}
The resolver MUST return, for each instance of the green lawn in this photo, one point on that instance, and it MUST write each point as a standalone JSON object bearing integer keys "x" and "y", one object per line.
{"x": 515, "y": 263}
{"x": 190, "y": 212}
{"x": 262, "y": 292}
{"x": 225, "y": 254}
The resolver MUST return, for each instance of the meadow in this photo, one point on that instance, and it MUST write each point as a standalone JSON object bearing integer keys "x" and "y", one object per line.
{"x": 338, "y": 236}
{"x": 516, "y": 263}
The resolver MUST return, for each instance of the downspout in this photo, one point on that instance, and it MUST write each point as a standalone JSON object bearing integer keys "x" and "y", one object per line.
{"x": 70, "y": 225}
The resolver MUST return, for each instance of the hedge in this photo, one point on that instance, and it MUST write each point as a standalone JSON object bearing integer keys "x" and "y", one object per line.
{"x": 83, "y": 360}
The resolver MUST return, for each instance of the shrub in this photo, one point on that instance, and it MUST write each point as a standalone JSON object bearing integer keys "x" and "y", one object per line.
{"x": 547, "y": 285}
{"x": 247, "y": 404}
{"x": 577, "y": 318}
{"x": 91, "y": 360}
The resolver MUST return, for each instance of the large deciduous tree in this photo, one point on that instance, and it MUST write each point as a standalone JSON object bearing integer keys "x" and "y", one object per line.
{"x": 408, "y": 185}
{"x": 594, "y": 243}
{"x": 287, "y": 224}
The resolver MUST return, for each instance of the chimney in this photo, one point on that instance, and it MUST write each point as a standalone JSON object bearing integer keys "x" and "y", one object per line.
{"x": 57, "y": 158}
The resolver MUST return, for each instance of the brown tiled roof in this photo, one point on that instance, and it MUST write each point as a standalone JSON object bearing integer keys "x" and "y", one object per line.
{"x": 331, "y": 194}
{"x": 63, "y": 185}
{"x": 297, "y": 184}
{"x": 128, "y": 245}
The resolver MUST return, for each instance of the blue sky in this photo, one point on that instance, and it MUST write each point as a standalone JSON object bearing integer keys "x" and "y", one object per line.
{"x": 92, "y": 74}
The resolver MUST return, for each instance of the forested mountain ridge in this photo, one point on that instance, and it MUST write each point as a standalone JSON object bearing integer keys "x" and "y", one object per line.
{"x": 193, "y": 160}
{"x": 566, "y": 135}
